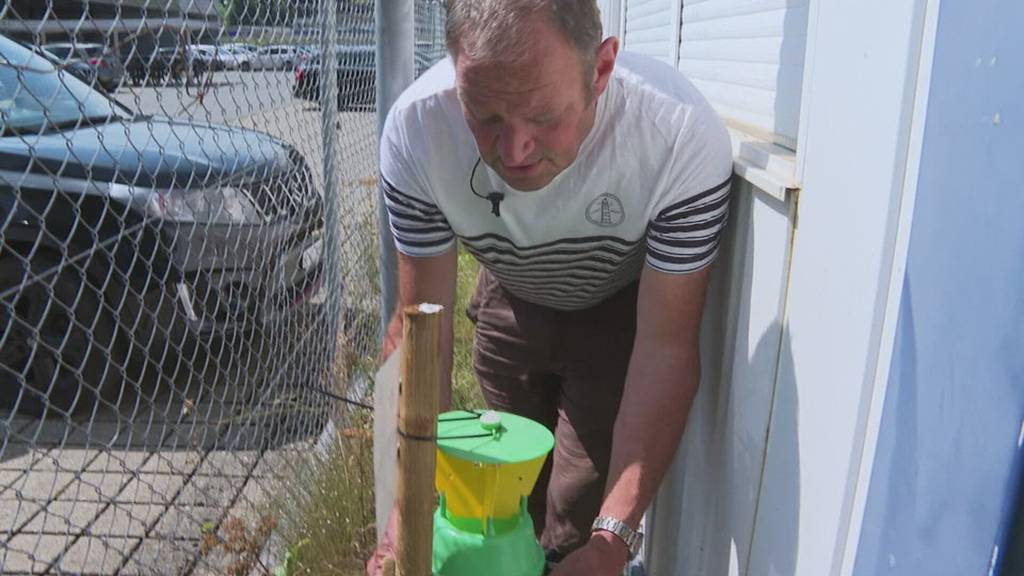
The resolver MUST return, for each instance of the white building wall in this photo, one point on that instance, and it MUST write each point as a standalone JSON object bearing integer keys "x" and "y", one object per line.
{"x": 768, "y": 479}
{"x": 703, "y": 519}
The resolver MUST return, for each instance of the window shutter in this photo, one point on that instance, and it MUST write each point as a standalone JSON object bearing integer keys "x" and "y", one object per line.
{"x": 650, "y": 29}
{"x": 747, "y": 58}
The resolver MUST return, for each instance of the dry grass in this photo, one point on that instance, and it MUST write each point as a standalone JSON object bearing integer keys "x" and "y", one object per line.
{"x": 465, "y": 392}
{"x": 326, "y": 512}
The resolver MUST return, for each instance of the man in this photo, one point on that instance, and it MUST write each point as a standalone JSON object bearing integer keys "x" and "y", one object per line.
{"x": 593, "y": 188}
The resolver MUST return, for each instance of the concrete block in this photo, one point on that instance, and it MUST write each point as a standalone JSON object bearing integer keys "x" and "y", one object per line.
{"x": 210, "y": 490}
{"x": 91, "y": 555}
{"x": 13, "y": 423}
{"x": 54, "y": 432}
{"x": 228, "y": 463}
{"x": 14, "y": 513}
{"x": 127, "y": 520}
{"x": 156, "y": 557}
{"x": 7, "y": 481}
{"x": 185, "y": 522}
{"x": 41, "y": 485}
{"x": 64, "y": 517}
{"x": 165, "y": 461}
{"x": 193, "y": 436}
{"x": 152, "y": 489}
{"x": 95, "y": 487}
{"x": 18, "y": 456}
{"x": 123, "y": 461}
{"x": 65, "y": 459}
{"x": 145, "y": 435}
{"x": 32, "y": 553}
{"x": 283, "y": 462}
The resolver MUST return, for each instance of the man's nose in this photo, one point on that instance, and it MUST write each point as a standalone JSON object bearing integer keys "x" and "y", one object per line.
{"x": 515, "y": 145}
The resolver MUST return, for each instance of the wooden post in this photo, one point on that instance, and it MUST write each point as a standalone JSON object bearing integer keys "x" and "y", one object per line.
{"x": 419, "y": 392}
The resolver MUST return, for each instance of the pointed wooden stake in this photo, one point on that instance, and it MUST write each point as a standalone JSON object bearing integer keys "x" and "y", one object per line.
{"x": 419, "y": 393}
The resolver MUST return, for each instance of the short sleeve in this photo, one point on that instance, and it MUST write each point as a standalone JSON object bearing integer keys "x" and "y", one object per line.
{"x": 419, "y": 227}
{"x": 684, "y": 234}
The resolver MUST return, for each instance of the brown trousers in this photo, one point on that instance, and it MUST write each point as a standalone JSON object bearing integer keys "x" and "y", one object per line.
{"x": 565, "y": 370}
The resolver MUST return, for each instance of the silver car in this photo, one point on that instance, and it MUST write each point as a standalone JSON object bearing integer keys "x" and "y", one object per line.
{"x": 276, "y": 57}
{"x": 105, "y": 63}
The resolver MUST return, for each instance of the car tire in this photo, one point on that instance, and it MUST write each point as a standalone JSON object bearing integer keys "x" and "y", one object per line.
{"x": 57, "y": 338}
{"x": 246, "y": 67}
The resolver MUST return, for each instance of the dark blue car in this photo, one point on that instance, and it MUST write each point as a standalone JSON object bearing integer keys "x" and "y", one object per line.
{"x": 123, "y": 232}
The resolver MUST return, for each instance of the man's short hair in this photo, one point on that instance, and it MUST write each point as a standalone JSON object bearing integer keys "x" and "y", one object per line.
{"x": 498, "y": 30}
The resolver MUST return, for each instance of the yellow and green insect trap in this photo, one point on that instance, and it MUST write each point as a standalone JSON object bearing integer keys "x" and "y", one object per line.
{"x": 487, "y": 464}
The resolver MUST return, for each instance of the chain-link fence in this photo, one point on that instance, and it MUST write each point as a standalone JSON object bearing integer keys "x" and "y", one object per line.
{"x": 188, "y": 276}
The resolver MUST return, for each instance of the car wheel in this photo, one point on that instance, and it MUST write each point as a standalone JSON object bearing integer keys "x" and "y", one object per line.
{"x": 56, "y": 338}
{"x": 246, "y": 67}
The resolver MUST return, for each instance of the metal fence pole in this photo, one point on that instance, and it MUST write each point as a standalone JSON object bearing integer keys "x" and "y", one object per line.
{"x": 333, "y": 237}
{"x": 395, "y": 71}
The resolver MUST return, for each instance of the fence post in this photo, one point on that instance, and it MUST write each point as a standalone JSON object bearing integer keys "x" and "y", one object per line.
{"x": 419, "y": 393}
{"x": 396, "y": 34}
{"x": 333, "y": 232}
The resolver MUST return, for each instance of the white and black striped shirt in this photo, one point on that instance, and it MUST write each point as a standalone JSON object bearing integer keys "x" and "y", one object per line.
{"x": 650, "y": 185}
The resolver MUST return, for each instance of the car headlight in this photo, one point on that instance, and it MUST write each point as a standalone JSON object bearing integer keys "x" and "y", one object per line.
{"x": 221, "y": 205}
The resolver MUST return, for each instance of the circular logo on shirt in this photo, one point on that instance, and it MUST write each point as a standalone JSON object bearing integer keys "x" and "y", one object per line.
{"x": 606, "y": 210}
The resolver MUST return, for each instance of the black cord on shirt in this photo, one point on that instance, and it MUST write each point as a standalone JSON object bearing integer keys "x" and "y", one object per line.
{"x": 494, "y": 197}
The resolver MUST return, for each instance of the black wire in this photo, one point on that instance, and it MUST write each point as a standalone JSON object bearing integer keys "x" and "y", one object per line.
{"x": 494, "y": 197}
{"x": 349, "y": 401}
{"x": 407, "y": 436}
{"x": 475, "y": 416}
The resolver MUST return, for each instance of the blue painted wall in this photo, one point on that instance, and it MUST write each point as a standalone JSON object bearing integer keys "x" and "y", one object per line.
{"x": 947, "y": 465}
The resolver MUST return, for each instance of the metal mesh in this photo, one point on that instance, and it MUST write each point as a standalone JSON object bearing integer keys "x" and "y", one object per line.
{"x": 174, "y": 180}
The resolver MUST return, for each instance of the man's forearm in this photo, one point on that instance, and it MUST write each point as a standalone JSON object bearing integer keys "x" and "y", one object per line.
{"x": 660, "y": 388}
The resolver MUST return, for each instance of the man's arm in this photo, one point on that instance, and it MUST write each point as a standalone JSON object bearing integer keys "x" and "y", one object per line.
{"x": 661, "y": 382}
{"x": 427, "y": 280}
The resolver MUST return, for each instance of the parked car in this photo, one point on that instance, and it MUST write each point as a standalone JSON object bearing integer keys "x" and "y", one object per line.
{"x": 78, "y": 69}
{"x": 107, "y": 65}
{"x": 235, "y": 58}
{"x": 210, "y": 57}
{"x": 276, "y": 57}
{"x": 123, "y": 228}
{"x": 203, "y": 57}
{"x": 250, "y": 48}
{"x": 357, "y": 75}
{"x": 156, "y": 65}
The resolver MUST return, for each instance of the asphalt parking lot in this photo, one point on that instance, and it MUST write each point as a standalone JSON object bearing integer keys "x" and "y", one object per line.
{"x": 135, "y": 490}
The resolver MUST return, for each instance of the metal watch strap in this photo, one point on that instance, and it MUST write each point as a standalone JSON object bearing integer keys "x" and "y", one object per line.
{"x": 632, "y": 538}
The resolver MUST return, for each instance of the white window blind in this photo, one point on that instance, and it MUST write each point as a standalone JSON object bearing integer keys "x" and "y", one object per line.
{"x": 650, "y": 28}
{"x": 747, "y": 58}
{"x": 610, "y": 16}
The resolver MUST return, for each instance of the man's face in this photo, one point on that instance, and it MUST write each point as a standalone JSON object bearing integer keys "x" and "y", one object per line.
{"x": 530, "y": 118}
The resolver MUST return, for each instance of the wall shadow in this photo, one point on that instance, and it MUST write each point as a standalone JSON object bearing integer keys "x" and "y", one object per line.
{"x": 706, "y": 512}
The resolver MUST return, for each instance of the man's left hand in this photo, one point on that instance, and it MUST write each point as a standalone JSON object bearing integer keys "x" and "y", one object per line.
{"x": 603, "y": 555}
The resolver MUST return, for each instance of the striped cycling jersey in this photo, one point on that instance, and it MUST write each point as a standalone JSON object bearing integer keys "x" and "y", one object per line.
{"x": 650, "y": 184}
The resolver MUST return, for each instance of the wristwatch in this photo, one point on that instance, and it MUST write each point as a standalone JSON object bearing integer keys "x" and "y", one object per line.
{"x": 632, "y": 538}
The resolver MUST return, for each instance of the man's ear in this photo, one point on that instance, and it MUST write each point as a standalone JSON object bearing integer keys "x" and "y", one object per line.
{"x": 604, "y": 64}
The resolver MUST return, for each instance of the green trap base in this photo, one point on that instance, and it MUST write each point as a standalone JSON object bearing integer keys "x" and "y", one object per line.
{"x": 511, "y": 549}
